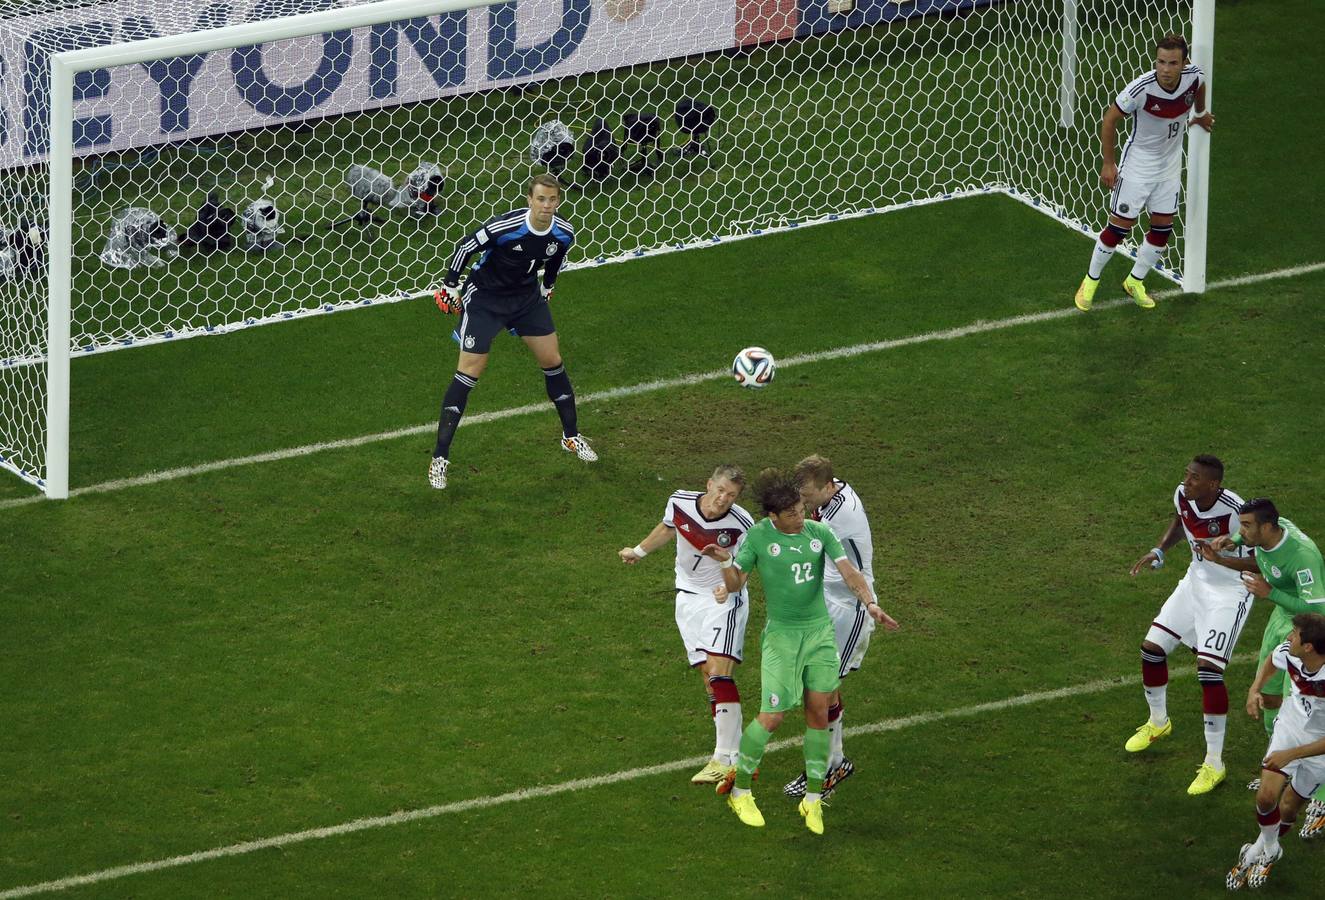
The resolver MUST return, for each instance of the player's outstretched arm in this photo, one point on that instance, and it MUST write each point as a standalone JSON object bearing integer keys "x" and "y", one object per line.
{"x": 853, "y": 579}
{"x": 1236, "y": 563}
{"x": 1154, "y": 557}
{"x": 656, "y": 539}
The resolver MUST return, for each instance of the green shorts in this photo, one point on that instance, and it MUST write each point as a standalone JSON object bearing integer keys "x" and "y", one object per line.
{"x": 796, "y": 660}
{"x": 1276, "y": 632}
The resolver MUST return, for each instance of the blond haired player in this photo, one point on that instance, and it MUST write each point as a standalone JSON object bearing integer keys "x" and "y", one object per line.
{"x": 713, "y": 632}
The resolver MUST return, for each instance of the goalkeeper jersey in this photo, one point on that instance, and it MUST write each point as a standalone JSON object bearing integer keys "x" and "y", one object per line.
{"x": 791, "y": 567}
{"x": 513, "y": 252}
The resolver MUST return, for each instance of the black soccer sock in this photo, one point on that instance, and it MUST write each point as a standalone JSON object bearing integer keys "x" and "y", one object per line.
{"x": 453, "y": 407}
{"x": 562, "y": 396}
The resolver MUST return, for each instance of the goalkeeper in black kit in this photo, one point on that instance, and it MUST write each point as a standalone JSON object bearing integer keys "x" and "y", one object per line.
{"x": 504, "y": 291}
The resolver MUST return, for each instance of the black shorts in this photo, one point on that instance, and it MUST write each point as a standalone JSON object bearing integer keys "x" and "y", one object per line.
{"x": 486, "y": 314}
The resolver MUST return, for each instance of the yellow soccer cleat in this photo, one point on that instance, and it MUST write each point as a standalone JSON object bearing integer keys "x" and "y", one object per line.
{"x": 1207, "y": 778}
{"x": 813, "y": 813}
{"x": 746, "y": 811}
{"x": 712, "y": 773}
{"x": 1136, "y": 289}
{"x": 1147, "y": 734}
{"x": 1086, "y": 293}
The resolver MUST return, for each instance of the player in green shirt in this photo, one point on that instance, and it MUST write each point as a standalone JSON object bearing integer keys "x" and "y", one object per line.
{"x": 799, "y": 650}
{"x": 1290, "y": 578}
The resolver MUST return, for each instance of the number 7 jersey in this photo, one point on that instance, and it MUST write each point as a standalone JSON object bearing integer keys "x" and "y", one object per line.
{"x": 696, "y": 573}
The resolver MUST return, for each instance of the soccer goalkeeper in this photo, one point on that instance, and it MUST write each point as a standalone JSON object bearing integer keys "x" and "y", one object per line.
{"x": 503, "y": 291}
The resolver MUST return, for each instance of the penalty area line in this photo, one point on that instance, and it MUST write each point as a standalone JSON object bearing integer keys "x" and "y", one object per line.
{"x": 979, "y": 327}
{"x": 551, "y": 790}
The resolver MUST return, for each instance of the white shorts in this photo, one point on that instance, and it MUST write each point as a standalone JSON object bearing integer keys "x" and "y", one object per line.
{"x": 852, "y": 627}
{"x": 1206, "y": 616}
{"x": 1306, "y": 775}
{"x": 711, "y": 628}
{"x": 1128, "y": 197}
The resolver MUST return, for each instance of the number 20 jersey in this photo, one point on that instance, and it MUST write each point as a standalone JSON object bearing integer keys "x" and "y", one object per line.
{"x": 1206, "y": 525}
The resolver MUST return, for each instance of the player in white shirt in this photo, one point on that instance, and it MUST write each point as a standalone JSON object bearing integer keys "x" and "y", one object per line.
{"x": 713, "y": 632}
{"x": 835, "y": 503}
{"x": 1296, "y": 757}
{"x": 1149, "y": 175}
{"x": 1206, "y": 612}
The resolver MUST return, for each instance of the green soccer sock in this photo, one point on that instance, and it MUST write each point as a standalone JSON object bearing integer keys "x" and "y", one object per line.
{"x": 816, "y": 759}
{"x": 753, "y": 741}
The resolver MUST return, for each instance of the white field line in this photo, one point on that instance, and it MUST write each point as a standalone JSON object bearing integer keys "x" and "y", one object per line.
{"x": 551, "y": 790}
{"x": 979, "y": 327}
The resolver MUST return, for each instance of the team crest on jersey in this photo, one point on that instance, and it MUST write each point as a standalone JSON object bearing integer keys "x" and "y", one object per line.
{"x": 1212, "y": 528}
{"x": 1274, "y": 570}
{"x": 816, "y": 545}
{"x": 724, "y": 539}
{"x": 774, "y": 700}
{"x": 1189, "y": 97}
{"x": 1124, "y": 208}
{"x": 551, "y": 248}
{"x": 469, "y": 342}
{"x": 774, "y": 549}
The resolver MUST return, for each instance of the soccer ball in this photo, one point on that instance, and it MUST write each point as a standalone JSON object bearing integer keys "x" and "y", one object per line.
{"x": 753, "y": 367}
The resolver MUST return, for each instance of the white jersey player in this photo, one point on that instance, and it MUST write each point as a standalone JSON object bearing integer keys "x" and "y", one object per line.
{"x": 1206, "y": 612}
{"x": 1160, "y": 105}
{"x": 713, "y": 633}
{"x": 1296, "y": 756}
{"x": 835, "y": 503}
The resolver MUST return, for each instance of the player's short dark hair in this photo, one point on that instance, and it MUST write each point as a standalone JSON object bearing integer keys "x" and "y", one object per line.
{"x": 1210, "y": 462}
{"x": 546, "y": 180}
{"x": 1172, "y": 41}
{"x": 732, "y": 473}
{"x": 776, "y": 491}
{"x": 1263, "y": 509}
{"x": 1311, "y": 630}
{"x": 814, "y": 469}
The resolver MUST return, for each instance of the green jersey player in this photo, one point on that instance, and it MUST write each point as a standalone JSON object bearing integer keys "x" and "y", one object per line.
{"x": 799, "y": 651}
{"x": 1290, "y": 578}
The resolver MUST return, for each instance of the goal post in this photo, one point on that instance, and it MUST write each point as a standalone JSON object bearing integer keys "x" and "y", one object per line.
{"x": 353, "y": 142}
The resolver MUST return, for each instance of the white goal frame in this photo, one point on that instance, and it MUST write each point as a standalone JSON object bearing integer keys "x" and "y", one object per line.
{"x": 65, "y": 65}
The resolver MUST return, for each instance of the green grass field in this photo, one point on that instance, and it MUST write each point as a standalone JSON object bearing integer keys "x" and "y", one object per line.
{"x": 278, "y": 647}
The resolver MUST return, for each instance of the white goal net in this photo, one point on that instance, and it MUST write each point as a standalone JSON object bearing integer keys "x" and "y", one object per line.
{"x": 215, "y": 186}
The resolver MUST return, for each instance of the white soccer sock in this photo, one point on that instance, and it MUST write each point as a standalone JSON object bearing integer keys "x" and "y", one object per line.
{"x": 727, "y": 725}
{"x": 1214, "y": 740}
{"x": 1146, "y": 257}
{"x": 1099, "y": 259}
{"x": 835, "y": 754}
{"x": 1157, "y": 698}
{"x": 1269, "y": 839}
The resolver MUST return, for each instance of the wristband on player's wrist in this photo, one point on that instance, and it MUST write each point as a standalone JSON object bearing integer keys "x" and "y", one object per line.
{"x": 639, "y": 551}
{"x": 727, "y": 563}
{"x": 1159, "y": 555}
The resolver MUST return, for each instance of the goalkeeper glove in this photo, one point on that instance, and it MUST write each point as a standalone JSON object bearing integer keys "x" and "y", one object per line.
{"x": 448, "y": 299}
{"x": 546, "y": 291}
